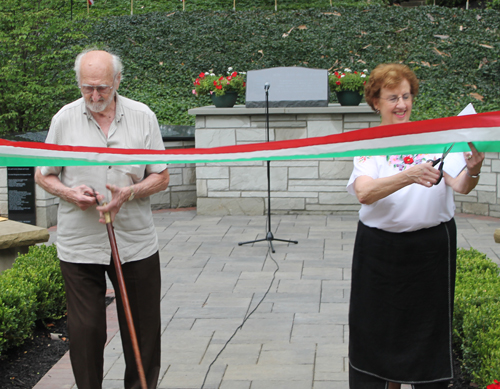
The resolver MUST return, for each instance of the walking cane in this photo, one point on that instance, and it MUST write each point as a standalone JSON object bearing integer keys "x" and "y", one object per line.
{"x": 123, "y": 292}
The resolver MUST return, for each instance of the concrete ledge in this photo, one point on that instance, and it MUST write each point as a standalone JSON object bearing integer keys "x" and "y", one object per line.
{"x": 15, "y": 238}
{"x": 210, "y": 110}
{"x": 15, "y": 234}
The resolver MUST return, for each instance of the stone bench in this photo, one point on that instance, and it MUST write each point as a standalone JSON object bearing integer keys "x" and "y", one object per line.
{"x": 15, "y": 239}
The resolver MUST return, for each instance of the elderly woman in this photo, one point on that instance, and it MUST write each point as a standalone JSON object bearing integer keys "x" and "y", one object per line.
{"x": 404, "y": 260}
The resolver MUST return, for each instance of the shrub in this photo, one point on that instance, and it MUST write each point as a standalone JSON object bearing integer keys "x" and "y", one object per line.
{"x": 40, "y": 267}
{"x": 17, "y": 309}
{"x": 476, "y": 318}
{"x": 32, "y": 289}
{"x": 493, "y": 4}
{"x": 35, "y": 42}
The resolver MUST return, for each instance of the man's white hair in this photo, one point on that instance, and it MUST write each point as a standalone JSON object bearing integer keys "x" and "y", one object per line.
{"x": 117, "y": 63}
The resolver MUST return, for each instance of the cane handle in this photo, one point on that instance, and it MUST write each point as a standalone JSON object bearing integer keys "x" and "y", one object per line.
{"x": 107, "y": 216}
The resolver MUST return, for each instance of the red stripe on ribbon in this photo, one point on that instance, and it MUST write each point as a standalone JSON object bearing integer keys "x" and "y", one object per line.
{"x": 482, "y": 120}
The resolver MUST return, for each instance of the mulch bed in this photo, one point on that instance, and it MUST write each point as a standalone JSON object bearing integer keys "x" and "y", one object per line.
{"x": 22, "y": 367}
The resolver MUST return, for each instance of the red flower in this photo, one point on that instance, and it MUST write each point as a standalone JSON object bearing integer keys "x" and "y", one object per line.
{"x": 220, "y": 79}
{"x": 234, "y": 74}
{"x": 408, "y": 160}
{"x": 215, "y": 82}
{"x": 229, "y": 78}
{"x": 355, "y": 72}
{"x": 202, "y": 75}
{"x": 496, "y": 385}
{"x": 338, "y": 83}
{"x": 218, "y": 86}
{"x": 337, "y": 74}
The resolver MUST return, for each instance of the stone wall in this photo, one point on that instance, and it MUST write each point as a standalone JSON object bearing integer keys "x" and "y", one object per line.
{"x": 485, "y": 198}
{"x": 301, "y": 186}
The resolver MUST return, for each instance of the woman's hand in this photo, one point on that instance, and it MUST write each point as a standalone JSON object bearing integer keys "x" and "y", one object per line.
{"x": 423, "y": 174}
{"x": 369, "y": 190}
{"x": 469, "y": 177}
{"x": 474, "y": 160}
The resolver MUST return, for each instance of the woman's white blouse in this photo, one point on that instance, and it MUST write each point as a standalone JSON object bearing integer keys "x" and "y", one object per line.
{"x": 413, "y": 207}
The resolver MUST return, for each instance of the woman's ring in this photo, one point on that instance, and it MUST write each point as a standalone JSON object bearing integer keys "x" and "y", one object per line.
{"x": 469, "y": 157}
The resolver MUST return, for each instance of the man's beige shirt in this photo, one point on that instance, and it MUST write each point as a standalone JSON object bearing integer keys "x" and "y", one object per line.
{"x": 80, "y": 236}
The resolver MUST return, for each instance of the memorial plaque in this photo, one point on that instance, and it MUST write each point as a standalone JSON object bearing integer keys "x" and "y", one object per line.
{"x": 288, "y": 87}
{"x": 21, "y": 193}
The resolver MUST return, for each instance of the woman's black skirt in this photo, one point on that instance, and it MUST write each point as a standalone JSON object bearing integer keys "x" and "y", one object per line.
{"x": 401, "y": 306}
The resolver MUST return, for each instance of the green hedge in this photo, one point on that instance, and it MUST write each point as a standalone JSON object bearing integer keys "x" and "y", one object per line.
{"x": 31, "y": 290}
{"x": 476, "y": 318}
{"x": 17, "y": 310}
{"x": 40, "y": 267}
{"x": 163, "y": 54}
{"x": 453, "y": 52}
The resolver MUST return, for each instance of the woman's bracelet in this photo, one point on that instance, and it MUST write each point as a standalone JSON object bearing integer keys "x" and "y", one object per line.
{"x": 472, "y": 175}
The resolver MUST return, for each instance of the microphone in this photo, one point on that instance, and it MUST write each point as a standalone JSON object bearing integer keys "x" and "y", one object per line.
{"x": 266, "y": 86}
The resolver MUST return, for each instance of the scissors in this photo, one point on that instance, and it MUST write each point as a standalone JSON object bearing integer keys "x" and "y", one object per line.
{"x": 440, "y": 168}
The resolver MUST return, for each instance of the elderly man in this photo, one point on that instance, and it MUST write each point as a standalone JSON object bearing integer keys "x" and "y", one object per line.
{"x": 102, "y": 118}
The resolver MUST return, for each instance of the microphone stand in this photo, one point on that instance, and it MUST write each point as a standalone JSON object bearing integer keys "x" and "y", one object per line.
{"x": 269, "y": 235}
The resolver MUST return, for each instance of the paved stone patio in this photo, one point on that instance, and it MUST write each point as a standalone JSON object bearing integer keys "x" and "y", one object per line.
{"x": 295, "y": 339}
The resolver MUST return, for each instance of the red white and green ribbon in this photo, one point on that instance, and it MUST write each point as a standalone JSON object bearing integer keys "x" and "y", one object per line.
{"x": 428, "y": 136}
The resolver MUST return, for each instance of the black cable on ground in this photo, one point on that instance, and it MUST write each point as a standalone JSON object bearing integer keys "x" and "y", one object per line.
{"x": 246, "y": 317}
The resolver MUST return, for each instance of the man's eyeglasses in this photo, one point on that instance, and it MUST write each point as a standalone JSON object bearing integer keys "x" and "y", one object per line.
{"x": 101, "y": 89}
{"x": 394, "y": 99}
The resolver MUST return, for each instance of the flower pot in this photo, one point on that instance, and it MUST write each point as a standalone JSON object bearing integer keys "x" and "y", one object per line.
{"x": 225, "y": 101}
{"x": 349, "y": 97}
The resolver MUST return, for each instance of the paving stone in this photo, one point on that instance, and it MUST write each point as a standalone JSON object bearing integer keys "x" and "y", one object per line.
{"x": 189, "y": 376}
{"x": 226, "y": 384}
{"x": 331, "y": 384}
{"x": 235, "y": 354}
{"x": 284, "y": 384}
{"x": 298, "y": 336}
{"x": 255, "y": 373}
{"x": 284, "y": 353}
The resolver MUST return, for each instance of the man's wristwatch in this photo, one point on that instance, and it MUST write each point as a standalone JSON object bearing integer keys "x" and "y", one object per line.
{"x": 132, "y": 193}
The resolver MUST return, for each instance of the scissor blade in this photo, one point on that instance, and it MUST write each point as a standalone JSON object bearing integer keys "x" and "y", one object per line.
{"x": 445, "y": 153}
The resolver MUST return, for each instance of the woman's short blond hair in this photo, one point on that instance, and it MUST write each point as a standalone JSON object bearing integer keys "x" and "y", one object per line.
{"x": 389, "y": 75}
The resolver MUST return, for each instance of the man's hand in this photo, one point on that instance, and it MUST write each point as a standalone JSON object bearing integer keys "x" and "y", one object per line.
{"x": 119, "y": 196}
{"x": 82, "y": 196}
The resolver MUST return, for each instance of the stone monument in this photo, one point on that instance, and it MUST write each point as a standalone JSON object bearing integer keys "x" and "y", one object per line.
{"x": 288, "y": 87}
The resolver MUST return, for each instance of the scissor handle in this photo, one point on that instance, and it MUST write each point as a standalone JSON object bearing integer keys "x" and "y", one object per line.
{"x": 440, "y": 177}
